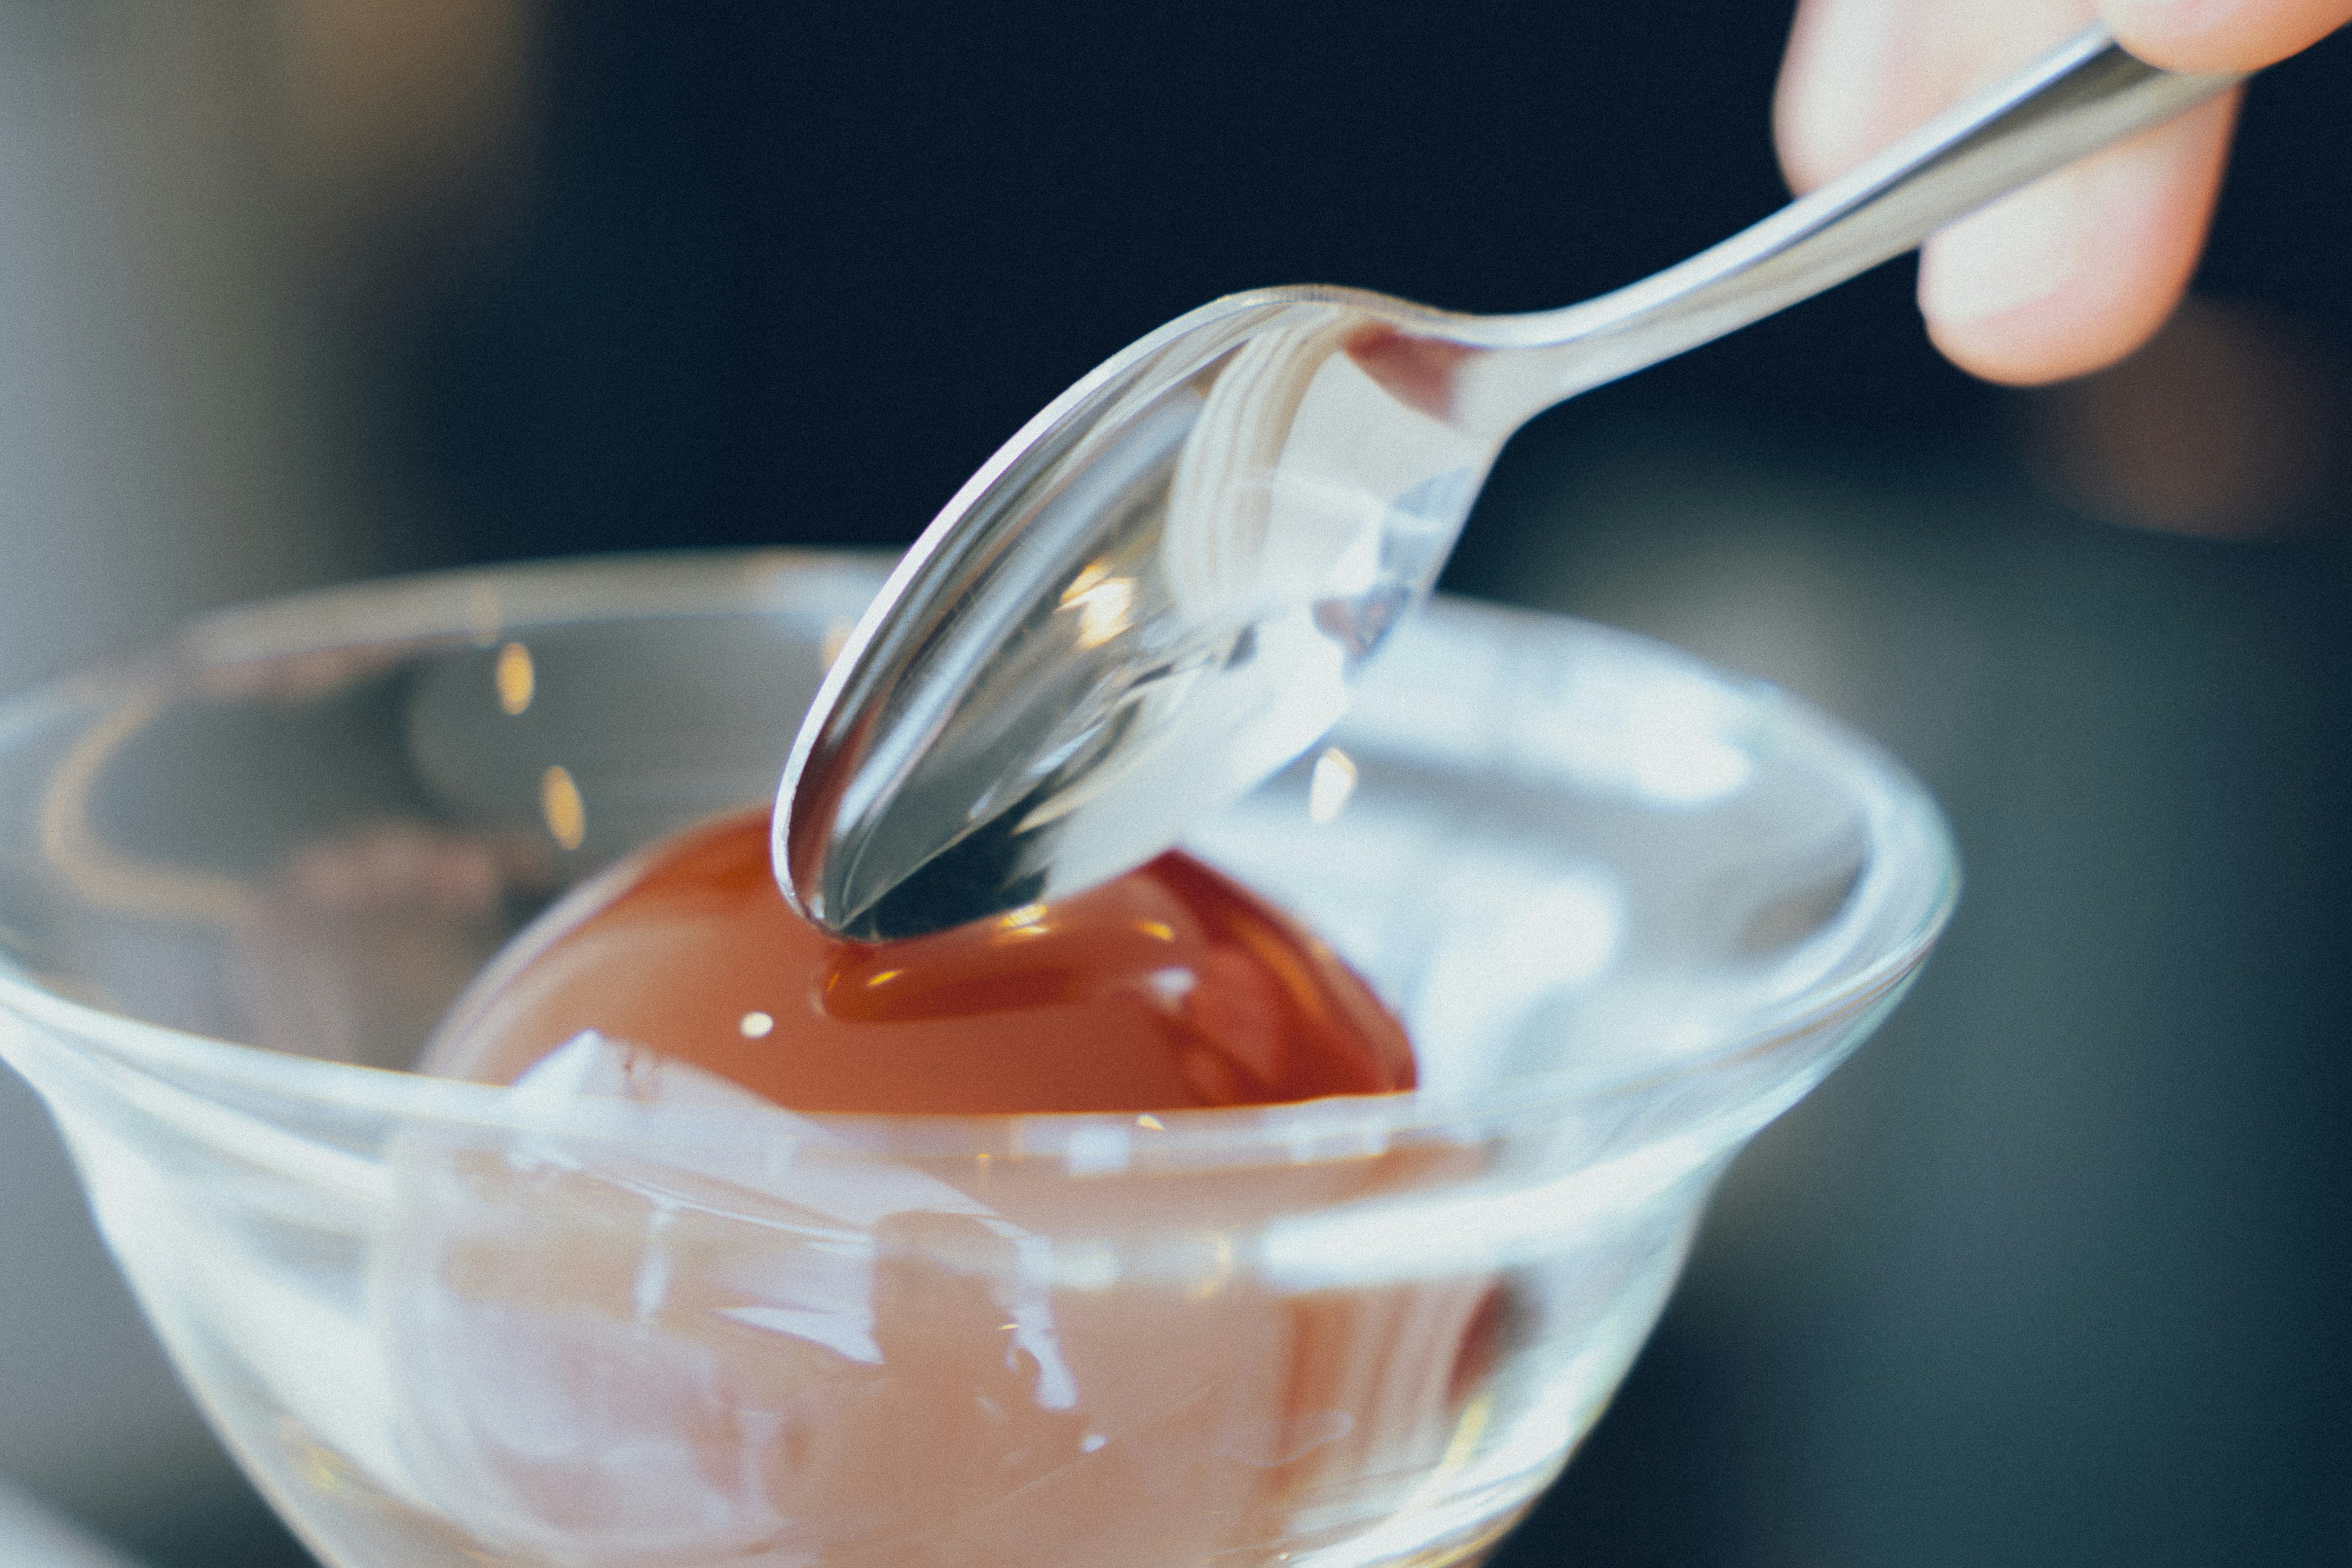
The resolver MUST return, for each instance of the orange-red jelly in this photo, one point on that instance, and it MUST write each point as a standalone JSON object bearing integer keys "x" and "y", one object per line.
{"x": 1172, "y": 987}
{"x": 871, "y": 1364}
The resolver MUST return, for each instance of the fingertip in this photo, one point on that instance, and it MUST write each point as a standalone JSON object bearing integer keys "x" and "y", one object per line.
{"x": 2221, "y": 34}
{"x": 2075, "y": 272}
{"x": 2027, "y": 291}
{"x": 1803, "y": 122}
{"x": 2054, "y": 338}
{"x": 1846, "y": 86}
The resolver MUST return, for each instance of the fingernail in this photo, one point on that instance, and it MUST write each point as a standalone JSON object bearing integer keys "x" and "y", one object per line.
{"x": 2021, "y": 248}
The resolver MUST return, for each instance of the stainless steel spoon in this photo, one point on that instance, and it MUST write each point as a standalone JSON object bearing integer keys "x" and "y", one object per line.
{"x": 1156, "y": 595}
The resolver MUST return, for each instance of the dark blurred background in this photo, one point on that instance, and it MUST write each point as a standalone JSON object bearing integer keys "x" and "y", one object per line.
{"x": 2056, "y": 1271}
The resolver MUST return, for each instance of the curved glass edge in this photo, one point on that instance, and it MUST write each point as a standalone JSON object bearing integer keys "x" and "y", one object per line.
{"x": 481, "y": 604}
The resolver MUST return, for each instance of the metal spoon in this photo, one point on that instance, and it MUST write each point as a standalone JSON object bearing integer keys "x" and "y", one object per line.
{"x": 1156, "y": 595}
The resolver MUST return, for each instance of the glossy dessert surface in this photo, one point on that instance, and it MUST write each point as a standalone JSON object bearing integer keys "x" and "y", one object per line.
{"x": 1170, "y": 988}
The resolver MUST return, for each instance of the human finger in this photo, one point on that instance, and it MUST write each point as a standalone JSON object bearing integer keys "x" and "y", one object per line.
{"x": 2055, "y": 281}
{"x": 2076, "y": 271}
{"x": 2221, "y": 34}
{"x": 1859, "y": 74}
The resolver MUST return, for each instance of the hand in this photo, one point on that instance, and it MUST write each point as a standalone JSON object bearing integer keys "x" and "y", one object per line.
{"x": 2075, "y": 272}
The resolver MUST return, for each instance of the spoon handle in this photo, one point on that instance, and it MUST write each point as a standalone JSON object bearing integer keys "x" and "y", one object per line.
{"x": 2082, "y": 96}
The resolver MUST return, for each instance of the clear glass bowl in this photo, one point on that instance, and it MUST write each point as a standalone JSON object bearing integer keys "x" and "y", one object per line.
{"x": 1631, "y": 910}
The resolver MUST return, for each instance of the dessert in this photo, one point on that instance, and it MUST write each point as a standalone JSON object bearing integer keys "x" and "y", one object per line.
{"x": 1170, "y": 988}
{"x": 809, "y": 1349}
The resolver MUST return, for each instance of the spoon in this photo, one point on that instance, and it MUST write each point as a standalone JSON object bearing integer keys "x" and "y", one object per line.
{"x": 1157, "y": 594}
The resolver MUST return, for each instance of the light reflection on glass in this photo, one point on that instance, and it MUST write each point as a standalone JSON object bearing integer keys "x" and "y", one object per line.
{"x": 1104, "y": 610}
{"x": 1089, "y": 575}
{"x": 1334, "y": 780}
{"x": 1555, "y": 927}
{"x": 73, "y": 845}
{"x": 1679, "y": 754}
{"x": 757, "y": 1025}
{"x": 515, "y": 679}
{"x": 1673, "y": 744}
{"x": 1105, "y": 603}
{"x": 560, "y": 804}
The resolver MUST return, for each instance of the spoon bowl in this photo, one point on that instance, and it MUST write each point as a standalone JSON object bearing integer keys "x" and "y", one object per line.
{"x": 1159, "y": 591}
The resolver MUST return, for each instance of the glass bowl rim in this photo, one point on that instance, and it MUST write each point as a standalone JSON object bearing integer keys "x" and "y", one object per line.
{"x": 647, "y": 585}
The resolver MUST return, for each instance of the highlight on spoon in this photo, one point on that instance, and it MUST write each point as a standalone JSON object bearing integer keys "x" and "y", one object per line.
{"x": 1150, "y": 603}
{"x": 1156, "y": 595}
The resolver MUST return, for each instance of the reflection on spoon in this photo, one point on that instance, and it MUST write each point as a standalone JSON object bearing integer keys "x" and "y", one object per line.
{"x": 1157, "y": 594}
